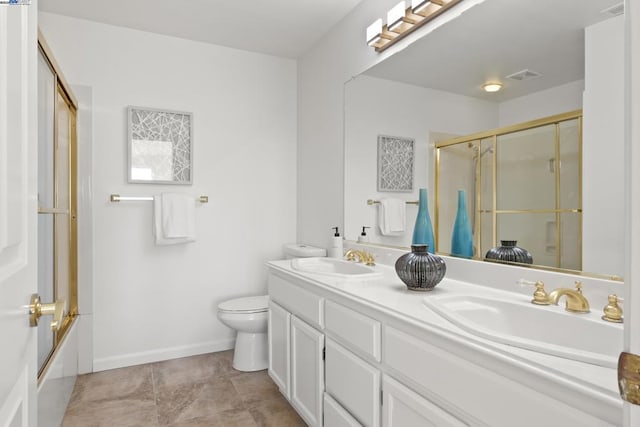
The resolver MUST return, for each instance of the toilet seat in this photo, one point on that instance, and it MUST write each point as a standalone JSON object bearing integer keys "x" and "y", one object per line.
{"x": 257, "y": 304}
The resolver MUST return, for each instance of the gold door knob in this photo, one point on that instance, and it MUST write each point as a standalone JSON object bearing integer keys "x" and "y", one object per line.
{"x": 37, "y": 309}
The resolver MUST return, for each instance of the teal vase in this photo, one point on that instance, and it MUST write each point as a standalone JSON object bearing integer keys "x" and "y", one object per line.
{"x": 423, "y": 230}
{"x": 462, "y": 237}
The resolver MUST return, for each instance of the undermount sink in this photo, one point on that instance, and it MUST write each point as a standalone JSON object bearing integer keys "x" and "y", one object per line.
{"x": 546, "y": 329}
{"x": 334, "y": 267}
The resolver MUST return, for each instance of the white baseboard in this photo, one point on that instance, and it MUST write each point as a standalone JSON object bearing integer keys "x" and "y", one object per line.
{"x": 161, "y": 354}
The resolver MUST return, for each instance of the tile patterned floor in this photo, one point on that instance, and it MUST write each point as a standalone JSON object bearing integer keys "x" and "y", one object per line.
{"x": 193, "y": 391}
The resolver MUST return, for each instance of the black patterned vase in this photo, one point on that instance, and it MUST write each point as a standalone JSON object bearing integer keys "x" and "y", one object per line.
{"x": 420, "y": 270}
{"x": 509, "y": 252}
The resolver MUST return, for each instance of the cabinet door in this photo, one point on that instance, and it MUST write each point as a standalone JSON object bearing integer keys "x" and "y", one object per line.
{"x": 405, "y": 408}
{"x": 307, "y": 371}
{"x": 336, "y": 416}
{"x": 279, "y": 347}
{"x": 354, "y": 384}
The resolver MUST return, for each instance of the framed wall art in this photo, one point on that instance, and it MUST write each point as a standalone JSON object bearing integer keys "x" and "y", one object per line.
{"x": 395, "y": 163}
{"x": 160, "y": 146}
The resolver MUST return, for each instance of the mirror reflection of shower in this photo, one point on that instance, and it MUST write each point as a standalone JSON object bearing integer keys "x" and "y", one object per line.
{"x": 478, "y": 154}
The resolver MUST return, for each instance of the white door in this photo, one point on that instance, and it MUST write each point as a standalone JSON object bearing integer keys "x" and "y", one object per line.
{"x": 18, "y": 212}
{"x": 632, "y": 154}
{"x": 307, "y": 371}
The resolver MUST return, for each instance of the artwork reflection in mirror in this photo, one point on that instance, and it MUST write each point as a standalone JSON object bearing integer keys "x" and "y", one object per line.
{"x": 395, "y": 163}
{"x": 160, "y": 146}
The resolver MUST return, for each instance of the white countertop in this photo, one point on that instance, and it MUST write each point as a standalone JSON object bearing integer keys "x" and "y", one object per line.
{"x": 388, "y": 294}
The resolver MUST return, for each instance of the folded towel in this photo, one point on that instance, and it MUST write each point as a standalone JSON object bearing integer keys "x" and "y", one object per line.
{"x": 173, "y": 219}
{"x": 392, "y": 217}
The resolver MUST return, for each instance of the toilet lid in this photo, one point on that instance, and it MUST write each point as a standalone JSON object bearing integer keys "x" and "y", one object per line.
{"x": 246, "y": 304}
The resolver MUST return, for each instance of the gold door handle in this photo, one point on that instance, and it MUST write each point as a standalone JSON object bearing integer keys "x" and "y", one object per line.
{"x": 37, "y": 309}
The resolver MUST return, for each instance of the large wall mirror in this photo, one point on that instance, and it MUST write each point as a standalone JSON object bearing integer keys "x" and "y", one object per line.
{"x": 431, "y": 92}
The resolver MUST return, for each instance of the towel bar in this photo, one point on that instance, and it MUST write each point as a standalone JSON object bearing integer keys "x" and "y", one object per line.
{"x": 119, "y": 198}
{"x": 376, "y": 202}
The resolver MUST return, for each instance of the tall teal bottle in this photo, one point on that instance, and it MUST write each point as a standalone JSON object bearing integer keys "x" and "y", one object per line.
{"x": 423, "y": 230}
{"x": 462, "y": 237}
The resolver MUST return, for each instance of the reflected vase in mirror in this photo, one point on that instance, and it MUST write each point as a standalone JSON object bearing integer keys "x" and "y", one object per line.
{"x": 462, "y": 236}
{"x": 509, "y": 252}
{"x": 423, "y": 230}
{"x": 419, "y": 269}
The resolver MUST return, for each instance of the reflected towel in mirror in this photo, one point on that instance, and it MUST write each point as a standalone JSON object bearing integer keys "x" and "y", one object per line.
{"x": 392, "y": 217}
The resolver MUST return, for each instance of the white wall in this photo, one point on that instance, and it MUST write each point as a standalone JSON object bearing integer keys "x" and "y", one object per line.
{"x": 421, "y": 112}
{"x": 603, "y": 155}
{"x": 152, "y": 303}
{"x": 556, "y": 100}
{"x": 322, "y": 72}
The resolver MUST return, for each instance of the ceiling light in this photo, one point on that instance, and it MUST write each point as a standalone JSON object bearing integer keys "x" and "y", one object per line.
{"x": 492, "y": 87}
{"x": 418, "y": 6}
{"x": 373, "y": 32}
{"x": 395, "y": 15}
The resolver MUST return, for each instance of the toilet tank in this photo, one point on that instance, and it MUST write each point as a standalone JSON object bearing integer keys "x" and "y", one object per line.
{"x": 298, "y": 250}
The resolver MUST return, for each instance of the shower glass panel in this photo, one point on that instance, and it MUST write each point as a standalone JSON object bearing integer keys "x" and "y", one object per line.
{"x": 523, "y": 183}
{"x": 536, "y": 232}
{"x": 457, "y": 162}
{"x": 57, "y": 246}
{"x": 63, "y": 202}
{"x": 525, "y": 173}
{"x": 46, "y": 194}
{"x": 570, "y": 169}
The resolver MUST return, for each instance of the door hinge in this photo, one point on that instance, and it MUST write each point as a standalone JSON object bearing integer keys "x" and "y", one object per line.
{"x": 381, "y": 397}
{"x": 629, "y": 377}
{"x": 324, "y": 353}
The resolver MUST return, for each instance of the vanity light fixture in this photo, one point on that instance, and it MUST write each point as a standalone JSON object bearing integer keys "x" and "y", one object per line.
{"x": 492, "y": 87}
{"x": 403, "y": 20}
{"x": 426, "y": 7}
{"x": 374, "y": 31}
{"x": 395, "y": 17}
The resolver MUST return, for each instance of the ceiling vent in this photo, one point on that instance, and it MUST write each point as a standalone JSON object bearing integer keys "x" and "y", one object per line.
{"x": 524, "y": 75}
{"x": 615, "y": 10}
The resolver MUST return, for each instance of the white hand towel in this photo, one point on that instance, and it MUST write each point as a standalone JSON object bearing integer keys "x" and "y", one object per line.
{"x": 173, "y": 219}
{"x": 392, "y": 217}
{"x": 178, "y": 211}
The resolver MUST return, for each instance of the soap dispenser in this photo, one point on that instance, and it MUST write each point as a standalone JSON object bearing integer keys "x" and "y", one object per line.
{"x": 363, "y": 238}
{"x": 336, "y": 250}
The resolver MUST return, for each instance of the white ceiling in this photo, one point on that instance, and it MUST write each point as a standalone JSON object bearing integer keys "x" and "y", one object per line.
{"x": 497, "y": 38}
{"x": 276, "y": 27}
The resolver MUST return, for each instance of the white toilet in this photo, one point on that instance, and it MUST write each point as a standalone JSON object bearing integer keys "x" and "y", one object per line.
{"x": 249, "y": 317}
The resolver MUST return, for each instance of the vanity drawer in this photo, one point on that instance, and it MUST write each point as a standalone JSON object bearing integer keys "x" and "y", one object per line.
{"x": 354, "y": 330}
{"x": 470, "y": 392}
{"x": 296, "y": 300}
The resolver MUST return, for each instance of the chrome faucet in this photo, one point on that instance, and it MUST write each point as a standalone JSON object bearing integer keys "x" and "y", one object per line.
{"x": 574, "y": 300}
{"x": 361, "y": 256}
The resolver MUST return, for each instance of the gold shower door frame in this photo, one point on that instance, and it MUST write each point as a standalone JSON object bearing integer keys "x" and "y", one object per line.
{"x": 493, "y": 135}
{"x": 64, "y": 208}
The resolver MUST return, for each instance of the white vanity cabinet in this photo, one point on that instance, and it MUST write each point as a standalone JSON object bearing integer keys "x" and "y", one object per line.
{"x": 405, "y": 408}
{"x": 296, "y": 347}
{"x": 280, "y": 348}
{"x": 344, "y": 361}
{"x": 336, "y": 416}
{"x": 307, "y": 371}
{"x": 353, "y": 383}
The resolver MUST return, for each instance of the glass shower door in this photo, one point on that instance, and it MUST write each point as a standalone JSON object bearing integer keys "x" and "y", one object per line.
{"x": 56, "y": 205}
